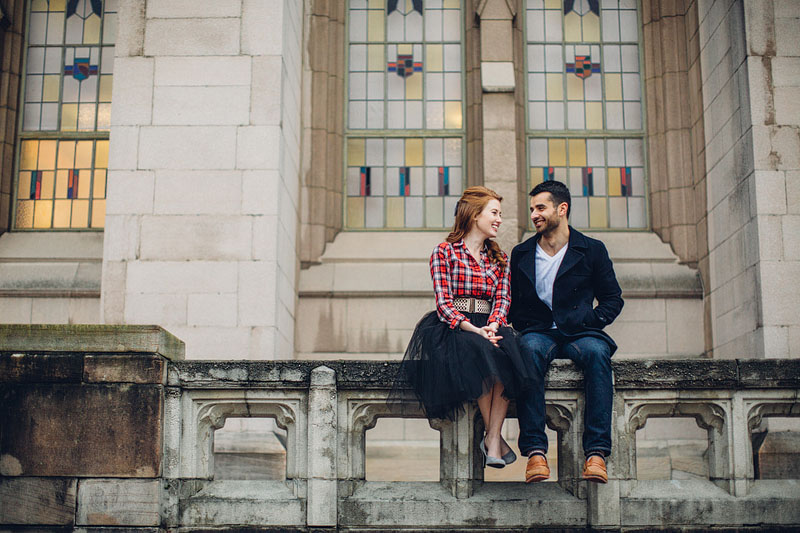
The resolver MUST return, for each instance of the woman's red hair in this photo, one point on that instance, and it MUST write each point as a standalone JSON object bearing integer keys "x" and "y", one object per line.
{"x": 468, "y": 208}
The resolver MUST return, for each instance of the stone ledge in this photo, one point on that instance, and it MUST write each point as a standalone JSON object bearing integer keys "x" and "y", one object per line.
{"x": 82, "y": 338}
{"x": 628, "y": 374}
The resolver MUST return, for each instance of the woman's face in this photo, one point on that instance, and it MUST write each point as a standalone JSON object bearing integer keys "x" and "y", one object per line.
{"x": 488, "y": 222}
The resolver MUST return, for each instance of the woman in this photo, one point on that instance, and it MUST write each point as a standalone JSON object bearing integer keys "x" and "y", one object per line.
{"x": 464, "y": 350}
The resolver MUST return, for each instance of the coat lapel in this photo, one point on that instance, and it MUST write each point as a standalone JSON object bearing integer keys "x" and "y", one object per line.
{"x": 528, "y": 260}
{"x": 575, "y": 248}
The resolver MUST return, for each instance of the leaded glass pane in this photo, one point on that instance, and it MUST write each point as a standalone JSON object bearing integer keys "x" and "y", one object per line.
{"x": 584, "y": 78}
{"x": 405, "y": 86}
{"x": 61, "y": 182}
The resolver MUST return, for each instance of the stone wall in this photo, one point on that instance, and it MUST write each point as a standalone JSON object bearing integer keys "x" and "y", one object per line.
{"x": 752, "y": 146}
{"x": 203, "y": 174}
{"x": 11, "y": 39}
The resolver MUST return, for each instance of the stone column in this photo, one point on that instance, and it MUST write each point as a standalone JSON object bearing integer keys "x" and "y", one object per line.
{"x": 499, "y": 113}
{"x": 203, "y": 180}
{"x": 322, "y": 427}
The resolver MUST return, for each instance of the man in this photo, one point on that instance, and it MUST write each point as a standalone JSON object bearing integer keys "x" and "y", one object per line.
{"x": 555, "y": 277}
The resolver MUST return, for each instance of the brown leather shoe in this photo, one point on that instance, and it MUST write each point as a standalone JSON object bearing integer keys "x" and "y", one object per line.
{"x": 537, "y": 469}
{"x": 594, "y": 469}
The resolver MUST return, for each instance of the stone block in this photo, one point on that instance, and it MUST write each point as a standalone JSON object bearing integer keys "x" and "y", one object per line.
{"x": 786, "y": 37}
{"x": 643, "y": 310}
{"x": 182, "y": 277}
{"x": 14, "y": 310}
{"x": 203, "y": 342}
{"x": 259, "y": 192}
{"x": 257, "y": 293}
{"x": 118, "y": 432}
{"x": 194, "y": 8}
{"x": 496, "y": 41}
{"x": 129, "y": 192}
{"x": 641, "y": 338}
{"x": 787, "y": 9}
{"x": 130, "y": 32}
{"x": 265, "y": 95}
{"x": 124, "y": 368}
{"x": 192, "y": 37}
{"x": 202, "y": 71}
{"x": 201, "y": 106}
{"x": 350, "y": 277}
{"x": 210, "y": 237}
{"x": 786, "y": 71}
{"x": 118, "y": 502}
{"x": 155, "y": 308}
{"x": 787, "y": 106}
{"x": 779, "y": 456}
{"x": 265, "y": 239}
{"x": 256, "y": 16}
{"x": 263, "y": 344}
{"x": 133, "y": 91}
{"x": 123, "y": 148}
{"x": 212, "y": 310}
{"x": 189, "y": 147}
{"x": 779, "y": 298}
{"x": 36, "y": 501}
{"x": 258, "y": 147}
{"x": 321, "y": 325}
{"x": 40, "y": 368}
{"x": 776, "y": 341}
{"x": 685, "y": 327}
{"x": 50, "y": 311}
{"x": 213, "y": 192}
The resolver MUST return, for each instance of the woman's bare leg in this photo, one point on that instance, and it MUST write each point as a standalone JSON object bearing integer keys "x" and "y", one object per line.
{"x": 497, "y": 415}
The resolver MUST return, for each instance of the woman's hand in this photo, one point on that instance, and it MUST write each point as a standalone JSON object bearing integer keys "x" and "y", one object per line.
{"x": 486, "y": 331}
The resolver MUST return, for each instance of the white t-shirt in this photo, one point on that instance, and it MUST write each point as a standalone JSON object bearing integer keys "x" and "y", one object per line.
{"x": 546, "y": 270}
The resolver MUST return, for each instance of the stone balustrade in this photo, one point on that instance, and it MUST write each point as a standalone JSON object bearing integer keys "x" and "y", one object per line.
{"x": 153, "y": 456}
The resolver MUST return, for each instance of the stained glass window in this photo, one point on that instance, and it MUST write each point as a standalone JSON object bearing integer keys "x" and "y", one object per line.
{"x": 63, "y": 147}
{"x": 404, "y": 118}
{"x": 584, "y": 107}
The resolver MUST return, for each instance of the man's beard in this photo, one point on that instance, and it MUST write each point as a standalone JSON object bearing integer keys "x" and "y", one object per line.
{"x": 550, "y": 224}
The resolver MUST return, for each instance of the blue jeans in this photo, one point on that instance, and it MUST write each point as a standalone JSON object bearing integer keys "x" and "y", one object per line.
{"x": 590, "y": 354}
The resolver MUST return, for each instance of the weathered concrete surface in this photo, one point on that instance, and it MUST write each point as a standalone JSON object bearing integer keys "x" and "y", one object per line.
{"x": 39, "y": 501}
{"x": 226, "y": 502}
{"x": 779, "y": 456}
{"x": 114, "y": 502}
{"x": 90, "y": 338}
{"x": 81, "y": 430}
{"x": 124, "y": 368}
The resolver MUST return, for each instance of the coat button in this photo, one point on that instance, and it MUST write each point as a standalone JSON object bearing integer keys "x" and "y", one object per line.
{"x": 574, "y": 306}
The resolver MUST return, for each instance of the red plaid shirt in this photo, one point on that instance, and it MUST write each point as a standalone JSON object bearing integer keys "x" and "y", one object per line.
{"x": 456, "y": 274}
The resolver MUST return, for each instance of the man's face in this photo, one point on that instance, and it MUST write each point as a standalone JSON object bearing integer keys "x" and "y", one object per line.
{"x": 544, "y": 214}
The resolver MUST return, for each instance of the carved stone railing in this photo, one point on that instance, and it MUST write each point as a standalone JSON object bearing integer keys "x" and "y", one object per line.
{"x": 164, "y": 479}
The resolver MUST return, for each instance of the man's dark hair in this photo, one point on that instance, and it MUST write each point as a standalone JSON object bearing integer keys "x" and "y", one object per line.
{"x": 558, "y": 192}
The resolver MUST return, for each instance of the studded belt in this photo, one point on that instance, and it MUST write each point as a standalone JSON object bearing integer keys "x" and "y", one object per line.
{"x": 473, "y": 305}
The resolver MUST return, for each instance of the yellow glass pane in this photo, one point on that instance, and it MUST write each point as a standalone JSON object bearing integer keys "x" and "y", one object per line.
{"x": 83, "y": 155}
{"x": 28, "y": 155}
{"x": 99, "y": 185}
{"x": 552, "y": 4}
{"x": 395, "y": 212}
{"x": 434, "y": 58}
{"x": 414, "y": 152}
{"x": 80, "y": 214}
{"x": 66, "y": 154}
{"x": 375, "y": 25}
{"x": 61, "y": 213}
{"x": 24, "y": 214}
{"x": 577, "y": 152}
{"x": 101, "y": 154}
{"x": 537, "y": 176}
{"x": 557, "y": 152}
{"x": 69, "y": 117}
{"x": 355, "y": 212}
{"x": 57, "y": 5}
{"x": 86, "y": 113}
{"x": 613, "y": 87}
{"x": 91, "y": 30}
{"x": 598, "y": 218}
{"x": 375, "y": 57}
{"x": 42, "y": 213}
{"x": 572, "y": 27}
{"x": 452, "y": 115}
{"x": 591, "y": 27}
{"x": 594, "y": 115}
{"x": 614, "y": 185}
{"x": 414, "y": 87}
{"x": 555, "y": 87}
{"x": 355, "y": 153}
{"x": 98, "y": 213}
{"x": 452, "y": 4}
{"x": 24, "y": 189}
{"x": 574, "y": 87}
{"x": 376, "y": 4}
{"x": 39, "y": 5}
{"x": 47, "y": 155}
{"x": 405, "y": 49}
{"x": 62, "y": 184}
{"x": 84, "y": 185}
{"x": 105, "y": 88}
{"x": 48, "y": 184}
{"x": 50, "y": 88}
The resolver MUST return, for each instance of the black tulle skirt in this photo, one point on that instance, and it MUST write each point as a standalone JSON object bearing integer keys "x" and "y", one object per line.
{"x": 447, "y": 367}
